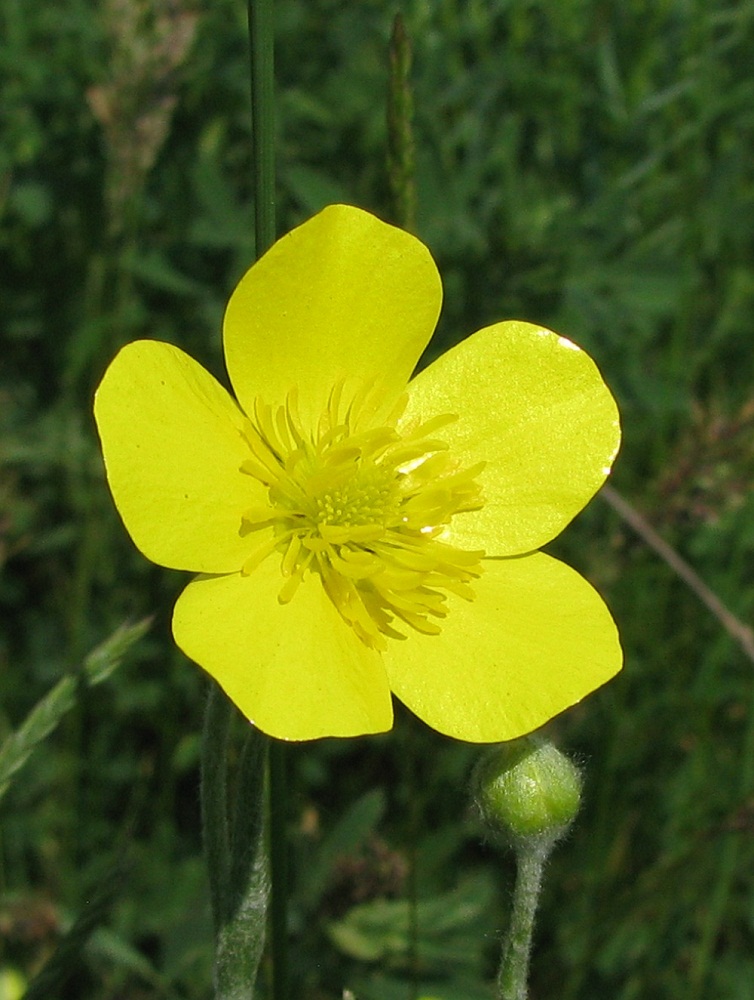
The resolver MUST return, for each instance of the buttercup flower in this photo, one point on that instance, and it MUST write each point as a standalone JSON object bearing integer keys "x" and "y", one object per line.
{"x": 356, "y": 531}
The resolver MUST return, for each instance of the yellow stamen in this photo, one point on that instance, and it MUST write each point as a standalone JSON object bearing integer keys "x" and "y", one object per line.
{"x": 362, "y": 502}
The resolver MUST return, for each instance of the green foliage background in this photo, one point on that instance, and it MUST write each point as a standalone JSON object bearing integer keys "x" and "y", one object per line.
{"x": 586, "y": 164}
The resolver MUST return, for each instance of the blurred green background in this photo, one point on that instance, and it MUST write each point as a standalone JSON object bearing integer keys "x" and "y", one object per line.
{"x": 586, "y": 164}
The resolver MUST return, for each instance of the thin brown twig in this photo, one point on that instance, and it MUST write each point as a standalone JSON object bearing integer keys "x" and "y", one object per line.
{"x": 743, "y": 634}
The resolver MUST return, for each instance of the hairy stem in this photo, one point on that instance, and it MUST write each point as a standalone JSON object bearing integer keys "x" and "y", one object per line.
{"x": 513, "y": 975}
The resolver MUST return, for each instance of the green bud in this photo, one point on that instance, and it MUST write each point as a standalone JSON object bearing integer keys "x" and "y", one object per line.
{"x": 527, "y": 790}
{"x": 12, "y": 984}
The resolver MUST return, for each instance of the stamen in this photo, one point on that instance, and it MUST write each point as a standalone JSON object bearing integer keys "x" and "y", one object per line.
{"x": 259, "y": 555}
{"x": 259, "y": 517}
{"x": 294, "y": 420}
{"x": 290, "y": 559}
{"x": 361, "y": 502}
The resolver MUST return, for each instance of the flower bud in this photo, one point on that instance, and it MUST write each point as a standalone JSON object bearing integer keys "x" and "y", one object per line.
{"x": 12, "y": 984}
{"x": 527, "y": 790}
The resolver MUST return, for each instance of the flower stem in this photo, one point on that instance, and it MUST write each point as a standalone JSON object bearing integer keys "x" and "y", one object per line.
{"x": 401, "y": 158}
{"x": 513, "y": 975}
{"x": 235, "y": 851}
{"x": 261, "y": 41}
{"x": 262, "y": 48}
{"x": 278, "y": 847}
{"x": 214, "y": 797}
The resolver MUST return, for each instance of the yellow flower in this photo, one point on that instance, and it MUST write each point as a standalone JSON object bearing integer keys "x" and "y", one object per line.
{"x": 357, "y": 531}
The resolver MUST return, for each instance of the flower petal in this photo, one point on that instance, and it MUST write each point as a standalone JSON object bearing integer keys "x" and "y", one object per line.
{"x": 534, "y": 407}
{"x": 172, "y": 447}
{"x": 536, "y": 639}
{"x": 342, "y": 295}
{"x": 296, "y": 670}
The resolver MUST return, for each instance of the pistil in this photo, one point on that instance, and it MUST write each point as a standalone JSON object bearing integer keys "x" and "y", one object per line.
{"x": 363, "y": 505}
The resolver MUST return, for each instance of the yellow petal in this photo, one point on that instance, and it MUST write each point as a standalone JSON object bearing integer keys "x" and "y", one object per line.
{"x": 172, "y": 446}
{"x": 536, "y": 639}
{"x": 295, "y": 670}
{"x": 534, "y": 407}
{"x": 343, "y": 295}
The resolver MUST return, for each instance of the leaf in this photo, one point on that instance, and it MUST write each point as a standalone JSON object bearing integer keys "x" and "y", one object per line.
{"x": 451, "y": 928}
{"x": 105, "y": 658}
{"x": 355, "y": 826}
{"x": 47, "y": 713}
{"x": 65, "y": 960}
{"x": 155, "y": 270}
{"x": 313, "y": 188}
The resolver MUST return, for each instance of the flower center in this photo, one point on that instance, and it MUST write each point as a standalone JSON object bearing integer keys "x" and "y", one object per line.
{"x": 364, "y": 505}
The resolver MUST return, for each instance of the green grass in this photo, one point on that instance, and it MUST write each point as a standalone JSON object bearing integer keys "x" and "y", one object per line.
{"x": 584, "y": 164}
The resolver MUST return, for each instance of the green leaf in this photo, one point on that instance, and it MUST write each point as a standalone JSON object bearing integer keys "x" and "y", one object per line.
{"x": 313, "y": 188}
{"x": 47, "y": 713}
{"x": 451, "y": 928}
{"x": 359, "y": 820}
{"x": 65, "y": 960}
{"x": 156, "y": 271}
{"x": 106, "y": 657}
